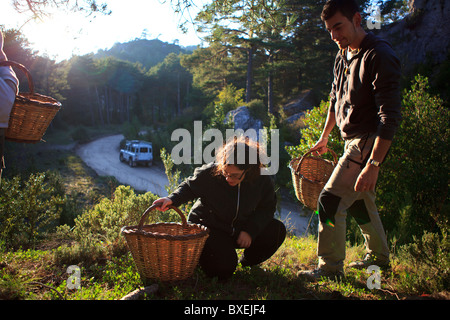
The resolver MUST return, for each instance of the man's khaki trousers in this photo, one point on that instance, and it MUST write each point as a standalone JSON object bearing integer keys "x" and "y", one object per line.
{"x": 338, "y": 197}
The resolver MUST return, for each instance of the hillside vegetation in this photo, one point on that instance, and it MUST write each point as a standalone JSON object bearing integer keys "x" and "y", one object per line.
{"x": 108, "y": 272}
{"x": 78, "y": 219}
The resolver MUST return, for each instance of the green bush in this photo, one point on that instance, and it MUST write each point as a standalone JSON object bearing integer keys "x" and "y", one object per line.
{"x": 314, "y": 122}
{"x": 97, "y": 231}
{"x": 80, "y": 134}
{"x": 429, "y": 264}
{"x": 258, "y": 110}
{"x": 131, "y": 129}
{"x": 229, "y": 98}
{"x": 28, "y": 208}
{"x": 413, "y": 186}
{"x": 104, "y": 221}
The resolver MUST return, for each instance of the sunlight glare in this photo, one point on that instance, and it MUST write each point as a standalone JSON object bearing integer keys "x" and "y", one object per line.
{"x": 57, "y": 36}
{"x": 62, "y": 34}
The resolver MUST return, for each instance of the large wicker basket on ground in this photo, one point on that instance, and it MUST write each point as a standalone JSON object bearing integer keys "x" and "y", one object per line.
{"x": 165, "y": 251}
{"x": 309, "y": 176}
{"x": 31, "y": 113}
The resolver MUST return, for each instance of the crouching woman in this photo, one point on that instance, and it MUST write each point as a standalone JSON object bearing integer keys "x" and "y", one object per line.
{"x": 237, "y": 204}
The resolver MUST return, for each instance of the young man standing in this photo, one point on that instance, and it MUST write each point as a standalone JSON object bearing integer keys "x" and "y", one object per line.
{"x": 365, "y": 105}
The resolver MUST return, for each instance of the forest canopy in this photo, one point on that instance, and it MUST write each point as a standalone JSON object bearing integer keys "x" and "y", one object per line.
{"x": 274, "y": 50}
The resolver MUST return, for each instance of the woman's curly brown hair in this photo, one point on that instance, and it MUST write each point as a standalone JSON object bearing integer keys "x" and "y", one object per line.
{"x": 242, "y": 152}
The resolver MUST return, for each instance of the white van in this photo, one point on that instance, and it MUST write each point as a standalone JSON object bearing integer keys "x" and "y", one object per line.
{"x": 136, "y": 152}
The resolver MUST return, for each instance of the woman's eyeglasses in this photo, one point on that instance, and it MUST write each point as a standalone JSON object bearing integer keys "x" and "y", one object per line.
{"x": 234, "y": 176}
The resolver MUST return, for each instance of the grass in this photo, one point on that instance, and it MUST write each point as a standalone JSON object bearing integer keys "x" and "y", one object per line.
{"x": 36, "y": 274}
{"x": 41, "y": 274}
{"x": 29, "y": 274}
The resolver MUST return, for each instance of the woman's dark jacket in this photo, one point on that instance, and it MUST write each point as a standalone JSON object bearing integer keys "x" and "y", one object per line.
{"x": 217, "y": 201}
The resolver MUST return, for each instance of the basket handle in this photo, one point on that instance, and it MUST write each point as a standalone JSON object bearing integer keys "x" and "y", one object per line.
{"x": 23, "y": 69}
{"x": 311, "y": 151}
{"x": 151, "y": 208}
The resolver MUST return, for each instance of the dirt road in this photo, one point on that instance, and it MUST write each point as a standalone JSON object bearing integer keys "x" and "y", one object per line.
{"x": 102, "y": 155}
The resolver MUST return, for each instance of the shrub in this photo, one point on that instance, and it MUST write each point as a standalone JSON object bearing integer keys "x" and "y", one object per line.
{"x": 428, "y": 258}
{"x": 97, "y": 231}
{"x": 104, "y": 221}
{"x": 27, "y": 208}
{"x": 229, "y": 98}
{"x": 314, "y": 122}
{"x": 413, "y": 187}
{"x": 172, "y": 176}
{"x": 258, "y": 110}
{"x": 80, "y": 134}
{"x": 131, "y": 129}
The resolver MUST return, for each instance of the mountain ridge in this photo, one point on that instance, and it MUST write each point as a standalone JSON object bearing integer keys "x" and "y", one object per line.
{"x": 147, "y": 52}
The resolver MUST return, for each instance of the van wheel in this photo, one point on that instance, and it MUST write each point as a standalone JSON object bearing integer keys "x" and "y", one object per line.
{"x": 121, "y": 158}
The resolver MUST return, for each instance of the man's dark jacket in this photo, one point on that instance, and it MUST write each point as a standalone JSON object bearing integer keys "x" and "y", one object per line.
{"x": 217, "y": 201}
{"x": 365, "y": 94}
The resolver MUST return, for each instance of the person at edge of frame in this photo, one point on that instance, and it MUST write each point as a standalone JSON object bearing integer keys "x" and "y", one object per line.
{"x": 8, "y": 90}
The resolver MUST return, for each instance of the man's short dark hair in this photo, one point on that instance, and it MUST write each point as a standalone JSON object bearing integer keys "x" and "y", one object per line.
{"x": 348, "y": 8}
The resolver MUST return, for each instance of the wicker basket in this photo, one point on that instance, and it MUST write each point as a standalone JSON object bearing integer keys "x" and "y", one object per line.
{"x": 31, "y": 113}
{"x": 309, "y": 176}
{"x": 165, "y": 251}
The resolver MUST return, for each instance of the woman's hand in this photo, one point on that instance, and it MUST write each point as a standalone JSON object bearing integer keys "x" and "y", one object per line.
{"x": 244, "y": 240}
{"x": 162, "y": 203}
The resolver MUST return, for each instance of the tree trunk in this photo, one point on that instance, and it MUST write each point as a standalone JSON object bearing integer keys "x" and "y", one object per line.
{"x": 100, "y": 105}
{"x": 178, "y": 95}
{"x": 270, "y": 107}
{"x": 91, "y": 109}
{"x": 107, "y": 106}
{"x": 248, "y": 94}
{"x": 128, "y": 106}
{"x": 187, "y": 94}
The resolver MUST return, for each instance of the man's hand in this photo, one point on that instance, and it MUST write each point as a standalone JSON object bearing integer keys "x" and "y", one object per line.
{"x": 320, "y": 146}
{"x": 244, "y": 240}
{"x": 367, "y": 179}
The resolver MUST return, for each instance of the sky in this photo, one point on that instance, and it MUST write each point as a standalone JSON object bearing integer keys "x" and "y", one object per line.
{"x": 65, "y": 34}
